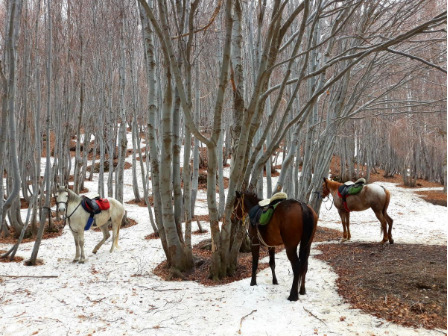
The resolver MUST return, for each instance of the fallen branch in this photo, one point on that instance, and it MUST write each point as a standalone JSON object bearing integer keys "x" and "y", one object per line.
{"x": 241, "y": 321}
{"x": 161, "y": 290}
{"x": 29, "y": 276}
{"x": 314, "y": 315}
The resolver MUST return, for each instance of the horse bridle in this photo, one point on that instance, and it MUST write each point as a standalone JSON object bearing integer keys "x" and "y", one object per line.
{"x": 328, "y": 197}
{"x": 66, "y": 209}
{"x": 243, "y": 211}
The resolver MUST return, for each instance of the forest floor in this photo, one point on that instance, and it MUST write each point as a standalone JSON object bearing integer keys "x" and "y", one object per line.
{"x": 355, "y": 288}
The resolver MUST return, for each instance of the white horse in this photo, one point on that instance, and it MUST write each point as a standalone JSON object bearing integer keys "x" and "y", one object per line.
{"x": 69, "y": 202}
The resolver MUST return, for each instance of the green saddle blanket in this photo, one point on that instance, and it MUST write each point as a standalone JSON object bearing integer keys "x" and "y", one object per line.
{"x": 266, "y": 215}
{"x": 352, "y": 188}
{"x": 263, "y": 215}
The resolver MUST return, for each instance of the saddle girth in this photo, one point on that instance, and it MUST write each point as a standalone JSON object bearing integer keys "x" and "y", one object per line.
{"x": 93, "y": 207}
{"x": 347, "y": 190}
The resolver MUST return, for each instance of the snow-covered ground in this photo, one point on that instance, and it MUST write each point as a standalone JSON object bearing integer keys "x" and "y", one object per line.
{"x": 117, "y": 294}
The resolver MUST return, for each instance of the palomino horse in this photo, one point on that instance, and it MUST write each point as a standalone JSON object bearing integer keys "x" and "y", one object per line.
{"x": 371, "y": 196}
{"x": 292, "y": 223}
{"x": 69, "y": 202}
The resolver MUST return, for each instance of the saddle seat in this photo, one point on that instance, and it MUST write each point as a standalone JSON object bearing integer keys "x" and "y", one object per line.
{"x": 261, "y": 214}
{"x": 350, "y": 188}
{"x": 93, "y": 207}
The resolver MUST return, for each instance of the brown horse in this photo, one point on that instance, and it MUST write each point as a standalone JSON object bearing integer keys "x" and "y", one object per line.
{"x": 371, "y": 196}
{"x": 292, "y": 223}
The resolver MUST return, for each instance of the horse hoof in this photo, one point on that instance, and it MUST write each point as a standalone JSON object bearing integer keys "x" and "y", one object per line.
{"x": 275, "y": 282}
{"x": 391, "y": 241}
{"x": 302, "y": 292}
{"x": 253, "y": 283}
{"x": 94, "y": 252}
{"x": 81, "y": 261}
{"x": 75, "y": 260}
{"x": 293, "y": 297}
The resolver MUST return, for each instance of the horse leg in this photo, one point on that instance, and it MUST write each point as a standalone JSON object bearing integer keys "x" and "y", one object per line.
{"x": 75, "y": 236}
{"x": 106, "y": 236}
{"x": 255, "y": 255}
{"x": 347, "y": 224}
{"x": 390, "y": 222}
{"x": 116, "y": 223}
{"x": 272, "y": 264}
{"x": 342, "y": 216}
{"x": 383, "y": 222}
{"x": 81, "y": 245}
{"x": 291, "y": 252}
{"x": 304, "y": 270}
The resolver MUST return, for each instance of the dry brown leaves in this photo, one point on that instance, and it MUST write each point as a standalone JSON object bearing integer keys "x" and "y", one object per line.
{"x": 404, "y": 284}
{"x": 128, "y": 223}
{"x": 47, "y": 234}
{"x": 8, "y": 260}
{"x": 436, "y": 197}
{"x": 244, "y": 270}
{"x": 152, "y": 236}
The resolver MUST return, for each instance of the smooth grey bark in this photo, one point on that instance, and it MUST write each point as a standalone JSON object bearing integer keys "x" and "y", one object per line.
{"x": 148, "y": 39}
{"x": 194, "y": 187}
{"x": 11, "y": 50}
{"x": 122, "y": 140}
{"x": 46, "y": 213}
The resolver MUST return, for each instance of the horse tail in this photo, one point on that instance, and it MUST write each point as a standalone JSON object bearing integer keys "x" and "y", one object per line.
{"x": 389, "y": 220}
{"x": 309, "y": 225}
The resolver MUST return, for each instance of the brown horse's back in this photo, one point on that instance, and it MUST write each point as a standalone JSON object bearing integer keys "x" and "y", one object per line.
{"x": 287, "y": 224}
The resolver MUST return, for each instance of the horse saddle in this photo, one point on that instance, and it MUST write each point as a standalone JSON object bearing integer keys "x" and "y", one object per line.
{"x": 261, "y": 214}
{"x": 93, "y": 206}
{"x": 349, "y": 188}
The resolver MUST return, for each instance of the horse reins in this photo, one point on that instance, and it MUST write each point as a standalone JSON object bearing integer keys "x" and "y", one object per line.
{"x": 241, "y": 204}
{"x": 328, "y": 198}
{"x": 66, "y": 209}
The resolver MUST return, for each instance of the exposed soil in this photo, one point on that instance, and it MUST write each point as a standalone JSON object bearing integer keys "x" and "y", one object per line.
{"x": 404, "y": 284}
{"x": 8, "y": 260}
{"x": 152, "y": 236}
{"x": 127, "y": 165}
{"x": 379, "y": 176}
{"x": 39, "y": 262}
{"x": 436, "y": 197}
{"x": 128, "y": 223}
{"x": 202, "y": 218}
{"x": 244, "y": 269}
{"x": 47, "y": 235}
{"x": 24, "y": 204}
{"x": 198, "y": 232}
{"x": 142, "y": 202}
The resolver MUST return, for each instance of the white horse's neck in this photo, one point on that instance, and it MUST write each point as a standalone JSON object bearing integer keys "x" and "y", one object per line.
{"x": 73, "y": 201}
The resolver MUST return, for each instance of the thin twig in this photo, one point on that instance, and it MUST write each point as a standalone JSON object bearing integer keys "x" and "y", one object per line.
{"x": 29, "y": 276}
{"x": 314, "y": 315}
{"x": 241, "y": 321}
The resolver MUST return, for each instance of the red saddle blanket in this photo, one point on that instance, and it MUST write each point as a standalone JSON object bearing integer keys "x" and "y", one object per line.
{"x": 103, "y": 203}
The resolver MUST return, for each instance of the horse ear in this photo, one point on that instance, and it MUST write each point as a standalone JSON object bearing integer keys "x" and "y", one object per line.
{"x": 238, "y": 195}
{"x": 325, "y": 179}
{"x": 57, "y": 186}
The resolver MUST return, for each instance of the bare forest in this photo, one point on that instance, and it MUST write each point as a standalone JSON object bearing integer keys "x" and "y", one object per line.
{"x": 177, "y": 104}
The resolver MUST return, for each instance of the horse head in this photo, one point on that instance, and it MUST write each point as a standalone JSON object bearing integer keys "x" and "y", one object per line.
{"x": 325, "y": 190}
{"x": 244, "y": 201}
{"x": 238, "y": 206}
{"x": 61, "y": 197}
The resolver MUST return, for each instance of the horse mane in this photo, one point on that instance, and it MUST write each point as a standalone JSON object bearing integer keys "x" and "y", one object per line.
{"x": 72, "y": 196}
{"x": 333, "y": 184}
{"x": 252, "y": 195}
